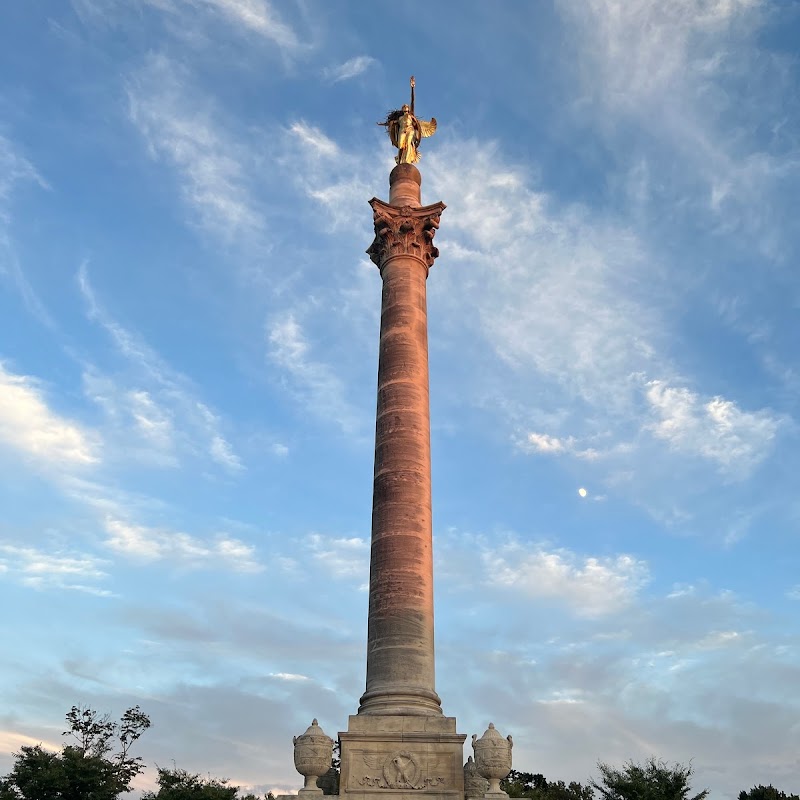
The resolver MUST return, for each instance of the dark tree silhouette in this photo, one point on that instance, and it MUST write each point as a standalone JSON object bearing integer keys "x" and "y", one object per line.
{"x": 98, "y": 766}
{"x": 653, "y": 780}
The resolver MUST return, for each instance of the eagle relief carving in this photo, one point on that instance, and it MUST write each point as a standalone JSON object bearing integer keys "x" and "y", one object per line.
{"x": 401, "y": 770}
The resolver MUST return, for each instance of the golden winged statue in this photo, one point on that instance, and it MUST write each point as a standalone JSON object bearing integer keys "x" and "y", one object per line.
{"x": 406, "y": 131}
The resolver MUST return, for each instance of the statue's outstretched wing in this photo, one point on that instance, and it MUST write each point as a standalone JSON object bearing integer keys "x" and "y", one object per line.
{"x": 392, "y": 126}
{"x": 427, "y": 128}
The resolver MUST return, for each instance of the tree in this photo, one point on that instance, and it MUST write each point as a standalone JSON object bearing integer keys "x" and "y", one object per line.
{"x": 759, "y": 792}
{"x": 329, "y": 782}
{"x": 537, "y": 787}
{"x": 98, "y": 767}
{"x": 653, "y": 780}
{"x": 178, "y": 784}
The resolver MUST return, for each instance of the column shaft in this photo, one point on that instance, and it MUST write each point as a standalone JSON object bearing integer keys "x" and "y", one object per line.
{"x": 400, "y": 642}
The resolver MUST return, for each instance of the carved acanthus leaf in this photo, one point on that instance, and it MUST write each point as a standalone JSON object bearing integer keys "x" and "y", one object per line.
{"x": 404, "y": 231}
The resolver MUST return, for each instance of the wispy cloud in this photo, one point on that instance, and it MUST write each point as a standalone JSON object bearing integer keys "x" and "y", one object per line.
{"x": 645, "y": 50}
{"x": 329, "y": 174}
{"x": 668, "y": 67}
{"x": 28, "y": 424}
{"x": 15, "y": 169}
{"x": 257, "y": 16}
{"x": 147, "y": 544}
{"x": 555, "y": 289}
{"x": 592, "y": 587}
{"x": 575, "y": 309}
{"x": 134, "y": 411}
{"x": 313, "y": 140}
{"x": 249, "y": 17}
{"x": 219, "y": 449}
{"x": 314, "y": 381}
{"x": 341, "y": 557}
{"x": 351, "y": 68}
{"x": 155, "y": 410}
{"x": 715, "y": 429}
{"x": 185, "y": 132}
{"x": 552, "y": 445}
{"x": 40, "y": 569}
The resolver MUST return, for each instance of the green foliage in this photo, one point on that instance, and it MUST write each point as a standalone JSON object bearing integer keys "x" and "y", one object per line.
{"x": 329, "y": 782}
{"x": 98, "y": 767}
{"x": 537, "y": 787}
{"x": 653, "y": 780}
{"x": 759, "y": 792}
{"x": 178, "y": 784}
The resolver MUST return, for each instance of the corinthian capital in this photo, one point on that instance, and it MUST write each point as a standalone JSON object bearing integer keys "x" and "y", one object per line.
{"x": 404, "y": 230}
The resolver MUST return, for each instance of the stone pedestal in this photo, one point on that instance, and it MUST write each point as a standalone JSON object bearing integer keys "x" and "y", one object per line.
{"x": 401, "y": 757}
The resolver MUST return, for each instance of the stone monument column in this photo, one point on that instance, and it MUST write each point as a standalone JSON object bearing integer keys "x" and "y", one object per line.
{"x": 400, "y": 646}
{"x": 399, "y": 743}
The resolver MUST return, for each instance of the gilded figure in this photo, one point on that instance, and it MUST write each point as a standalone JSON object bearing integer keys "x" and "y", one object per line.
{"x": 406, "y": 131}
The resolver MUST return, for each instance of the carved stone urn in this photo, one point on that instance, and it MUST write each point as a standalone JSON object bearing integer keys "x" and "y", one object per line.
{"x": 474, "y": 785}
{"x": 493, "y": 759}
{"x": 312, "y": 757}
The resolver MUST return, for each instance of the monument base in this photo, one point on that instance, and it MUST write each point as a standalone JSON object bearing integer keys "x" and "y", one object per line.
{"x": 401, "y": 757}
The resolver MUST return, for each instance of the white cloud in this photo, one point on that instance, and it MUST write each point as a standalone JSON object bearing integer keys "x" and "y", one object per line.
{"x": 546, "y": 444}
{"x": 668, "y": 68}
{"x": 222, "y": 453}
{"x": 315, "y": 382}
{"x": 554, "y": 289}
{"x": 313, "y": 140}
{"x": 351, "y": 68}
{"x": 332, "y": 176}
{"x": 592, "y": 587}
{"x": 257, "y": 16}
{"x": 146, "y": 426}
{"x": 219, "y": 449}
{"x": 214, "y": 171}
{"x": 577, "y": 309}
{"x": 41, "y": 570}
{"x": 645, "y": 50}
{"x": 169, "y": 396}
{"x": 37, "y": 562}
{"x": 155, "y": 544}
{"x": 247, "y": 16}
{"x": 28, "y": 424}
{"x": 13, "y": 169}
{"x": 12, "y": 741}
{"x": 715, "y": 429}
{"x": 717, "y": 639}
{"x": 341, "y": 557}
{"x": 152, "y": 422}
{"x": 543, "y": 443}
{"x": 289, "y": 676}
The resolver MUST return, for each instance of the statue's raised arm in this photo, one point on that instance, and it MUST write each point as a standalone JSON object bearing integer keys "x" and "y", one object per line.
{"x": 406, "y": 131}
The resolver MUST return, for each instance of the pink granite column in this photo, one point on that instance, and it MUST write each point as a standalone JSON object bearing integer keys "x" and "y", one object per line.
{"x": 400, "y": 645}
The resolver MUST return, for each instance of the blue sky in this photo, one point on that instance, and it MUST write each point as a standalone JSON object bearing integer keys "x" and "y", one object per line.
{"x": 188, "y": 352}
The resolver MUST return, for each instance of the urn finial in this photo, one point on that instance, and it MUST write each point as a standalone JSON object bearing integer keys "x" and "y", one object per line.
{"x": 493, "y": 760}
{"x": 313, "y": 752}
